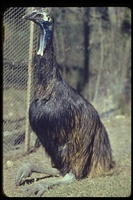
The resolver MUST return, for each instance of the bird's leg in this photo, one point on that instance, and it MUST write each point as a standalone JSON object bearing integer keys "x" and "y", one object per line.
{"x": 38, "y": 189}
{"x": 27, "y": 169}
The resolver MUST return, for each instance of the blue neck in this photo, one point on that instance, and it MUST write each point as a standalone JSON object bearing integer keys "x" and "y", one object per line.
{"x": 45, "y": 38}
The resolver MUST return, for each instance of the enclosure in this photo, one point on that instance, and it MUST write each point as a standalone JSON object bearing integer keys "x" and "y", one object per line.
{"x": 93, "y": 51}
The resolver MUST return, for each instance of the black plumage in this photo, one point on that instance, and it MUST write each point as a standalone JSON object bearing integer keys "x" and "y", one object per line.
{"x": 67, "y": 125}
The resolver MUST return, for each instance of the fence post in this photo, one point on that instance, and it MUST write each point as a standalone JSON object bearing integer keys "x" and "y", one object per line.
{"x": 29, "y": 84}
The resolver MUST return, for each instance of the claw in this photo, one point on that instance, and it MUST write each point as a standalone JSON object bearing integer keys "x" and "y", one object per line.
{"x": 37, "y": 189}
{"x": 24, "y": 171}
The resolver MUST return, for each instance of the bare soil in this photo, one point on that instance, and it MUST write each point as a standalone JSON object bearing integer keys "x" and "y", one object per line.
{"x": 116, "y": 185}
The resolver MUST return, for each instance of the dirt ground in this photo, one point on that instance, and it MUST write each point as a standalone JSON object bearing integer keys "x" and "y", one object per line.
{"x": 116, "y": 185}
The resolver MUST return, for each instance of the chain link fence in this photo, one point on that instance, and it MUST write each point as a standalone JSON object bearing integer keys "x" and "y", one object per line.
{"x": 16, "y": 60}
{"x": 79, "y": 34}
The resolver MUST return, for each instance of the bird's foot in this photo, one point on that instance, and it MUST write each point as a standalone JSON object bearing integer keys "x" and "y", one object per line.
{"x": 37, "y": 189}
{"x": 24, "y": 172}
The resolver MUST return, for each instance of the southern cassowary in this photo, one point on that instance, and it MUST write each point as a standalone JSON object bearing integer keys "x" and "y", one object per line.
{"x": 67, "y": 125}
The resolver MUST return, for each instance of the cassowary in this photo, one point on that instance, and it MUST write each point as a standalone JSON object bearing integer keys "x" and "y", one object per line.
{"x": 67, "y": 125}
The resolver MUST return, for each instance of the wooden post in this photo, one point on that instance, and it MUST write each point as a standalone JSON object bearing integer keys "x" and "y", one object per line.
{"x": 101, "y": 62}
{"x": 29, "y": 86}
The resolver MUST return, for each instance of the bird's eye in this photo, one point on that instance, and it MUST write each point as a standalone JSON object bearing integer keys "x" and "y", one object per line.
{"x": 40, "y": 15}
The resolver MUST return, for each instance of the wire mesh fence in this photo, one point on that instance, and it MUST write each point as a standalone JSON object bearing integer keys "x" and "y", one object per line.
{"x": 17, "y": 34}
{"x": 93, "y": 54}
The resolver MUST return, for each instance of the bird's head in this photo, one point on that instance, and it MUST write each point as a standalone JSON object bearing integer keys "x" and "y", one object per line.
{"x": 44, "y": 19}
{"x": 40, "y": 16}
